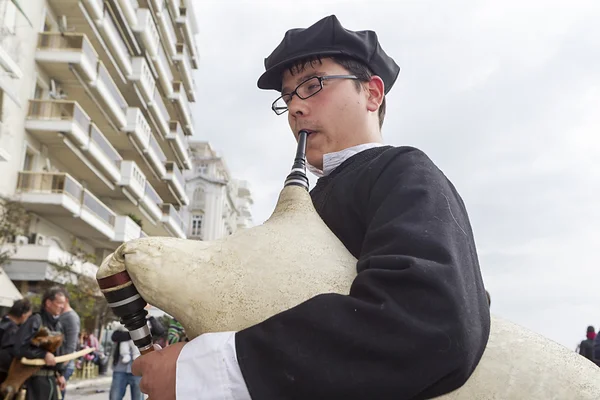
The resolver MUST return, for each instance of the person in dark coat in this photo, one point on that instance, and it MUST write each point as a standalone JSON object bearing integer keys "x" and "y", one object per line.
{"x": 46, "y": 382}
{"x": 586, "y": 347}
{"x": 9, "y": 325}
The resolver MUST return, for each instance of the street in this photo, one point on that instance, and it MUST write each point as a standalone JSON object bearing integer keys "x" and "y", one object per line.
{"x": 95, "y": 392}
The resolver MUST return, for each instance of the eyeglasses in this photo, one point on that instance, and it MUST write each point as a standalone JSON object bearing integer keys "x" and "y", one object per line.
{"x": 306, "y": 89}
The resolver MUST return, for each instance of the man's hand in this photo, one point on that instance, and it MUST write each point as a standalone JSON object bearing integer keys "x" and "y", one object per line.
{"x": 62, "y": 383}
{"x": 50, "y": 360}
{"x": 158, "y": 372}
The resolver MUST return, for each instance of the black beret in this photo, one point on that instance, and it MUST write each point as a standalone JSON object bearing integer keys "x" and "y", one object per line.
{"x": 328, "y": 37}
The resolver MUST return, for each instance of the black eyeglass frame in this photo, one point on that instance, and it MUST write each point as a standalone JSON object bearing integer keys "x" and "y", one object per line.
{"x": 295, "y": 91}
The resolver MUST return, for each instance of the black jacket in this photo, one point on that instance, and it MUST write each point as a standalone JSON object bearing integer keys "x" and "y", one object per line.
{"x": 8, "y": 331}
{"x": 416, "y": 321}
{"x": 26, "y": 332}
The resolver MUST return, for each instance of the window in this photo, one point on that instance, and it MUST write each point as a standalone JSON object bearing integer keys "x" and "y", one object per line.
{"x": 28, "y": 161}
{"x": 199, "y": 197}
{"x": 203, "y": 169}
{"x": 197, "y": 225}
{"x": 39, "y": 92}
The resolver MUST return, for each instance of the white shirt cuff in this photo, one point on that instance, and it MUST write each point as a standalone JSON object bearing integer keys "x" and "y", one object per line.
{"x": 208, "y": 369}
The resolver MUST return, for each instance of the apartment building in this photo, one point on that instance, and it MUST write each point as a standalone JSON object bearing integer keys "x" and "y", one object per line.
{"x": 95, "y": 124}
{"x": 219, "y": 205}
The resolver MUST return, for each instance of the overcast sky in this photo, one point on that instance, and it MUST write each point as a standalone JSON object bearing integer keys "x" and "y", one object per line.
{"x": 504, "y": 96}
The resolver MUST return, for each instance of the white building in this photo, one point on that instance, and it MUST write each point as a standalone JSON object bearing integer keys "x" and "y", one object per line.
{"x": 95, "y": 123}
{"x": 219, "y": 205}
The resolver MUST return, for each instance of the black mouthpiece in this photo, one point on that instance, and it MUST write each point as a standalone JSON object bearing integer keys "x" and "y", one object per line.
{"x": 297, "y": 176}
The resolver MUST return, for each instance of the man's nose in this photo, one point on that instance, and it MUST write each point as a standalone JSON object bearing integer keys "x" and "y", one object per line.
{"x": 298, "y": 107}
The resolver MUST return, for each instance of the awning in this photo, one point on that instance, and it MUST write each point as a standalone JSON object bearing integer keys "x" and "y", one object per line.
{"x": 8, "y": 291}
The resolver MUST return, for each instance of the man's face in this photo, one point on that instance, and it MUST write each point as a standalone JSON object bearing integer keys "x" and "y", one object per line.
{"x": 336, "y": 116}
{"x": 56, "y": 306}
{"x": 24, "y": 318}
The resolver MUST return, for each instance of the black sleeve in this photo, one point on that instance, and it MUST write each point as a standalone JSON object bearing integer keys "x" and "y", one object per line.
{"x": 416, "y": 321}
{"x": 26, "y": 332}
{"x": 8, "y": 337}
{"x": 120, "y": 336}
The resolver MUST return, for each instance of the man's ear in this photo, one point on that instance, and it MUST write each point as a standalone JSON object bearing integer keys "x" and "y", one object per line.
{"x": 375, "y": 90}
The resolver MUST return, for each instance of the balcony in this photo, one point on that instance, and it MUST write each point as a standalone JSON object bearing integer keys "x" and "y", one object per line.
{"x": 173, "y": 221}
{"x": 182, "y": 59}
{"x": 146, "y": 29}
{"x": 243, "y": 189}
{"x": 57, "y": 52}
{"x": 179, "y": 97}
{"x": 72, "y": 138}
{"x": 50, "y": 120}
{"x": 141, "y": 135}
{"x": 174, "y": 6}
{"x": 112, "y": 37}
{"x": 95, "y": 8}
{"x": 188, "y": 35}
{"x": 157, "y": 157}
{"x": 126, "y": 229}
{"x": 104, "y": 155}
{"x": 132, "y": 179}
{"x": 179, "y": 144}
{"x": 129, "y": 9}
{"x": 165, "y": 76}
{"x": 60, "y": 199}
{"x": 142, "y": 76}
{"x": 176, "y": 181}
{"x": 160, "y": 114}
{"x": 111, "y": 97}
{"x": 98, "y": 215}
{"x": 169, "y": 38}
{"x": 151, "y": 202}
{"x": 48, "y": 193}
{"x": 34, "y": 262}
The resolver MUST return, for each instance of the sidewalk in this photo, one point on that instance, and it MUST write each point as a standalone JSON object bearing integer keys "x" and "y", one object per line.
{"x": 84, "y": 383}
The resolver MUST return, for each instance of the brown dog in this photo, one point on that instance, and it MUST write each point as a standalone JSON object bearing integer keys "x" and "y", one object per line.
{"x": 19, "y": 373}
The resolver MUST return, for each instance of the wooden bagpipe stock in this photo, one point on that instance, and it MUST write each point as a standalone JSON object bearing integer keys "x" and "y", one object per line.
{"x": 240, "y": 280}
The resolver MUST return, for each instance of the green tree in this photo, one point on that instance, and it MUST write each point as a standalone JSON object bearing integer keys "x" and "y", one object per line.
{"x": 14, "y": 221}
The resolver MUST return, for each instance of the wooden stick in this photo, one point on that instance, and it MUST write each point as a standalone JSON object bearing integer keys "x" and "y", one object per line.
{"x": 59, "y": 359}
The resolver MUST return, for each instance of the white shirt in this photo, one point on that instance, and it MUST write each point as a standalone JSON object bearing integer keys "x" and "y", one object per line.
{"x": 207, "y": 367}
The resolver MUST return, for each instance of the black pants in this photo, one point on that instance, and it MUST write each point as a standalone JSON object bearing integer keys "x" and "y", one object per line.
{"x": 41, "y": 388}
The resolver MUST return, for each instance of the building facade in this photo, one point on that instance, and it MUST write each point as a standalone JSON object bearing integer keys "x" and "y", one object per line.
{"x": 219, "y": 205}
{"x": 94, "y": 127}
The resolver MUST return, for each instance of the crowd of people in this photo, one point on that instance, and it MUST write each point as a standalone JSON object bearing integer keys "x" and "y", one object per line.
{"x": 21, "y": 324}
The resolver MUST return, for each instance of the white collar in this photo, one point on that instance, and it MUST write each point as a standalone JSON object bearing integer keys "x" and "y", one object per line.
{"x": 333, "y": 160}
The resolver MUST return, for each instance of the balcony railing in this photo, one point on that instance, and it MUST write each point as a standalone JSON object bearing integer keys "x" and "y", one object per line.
{"x": 170, "y": 211}
{"x": 163, "y": 113}
{"x": 180, "y": 97}
{"x": 58, "y": 110}
{"x": 67, "y": 42}
{"x": 148, "y": 31}
{"x": 50, "y": 183}
{"x": 129, "y": 8}
{"x": 172, "y": 168}
{"x": 114, "y": 37}
{"x": 180, "y": 144}
{"x": 99, "y": 209}
{"x": 98, "y": 138}
{"x": 185, "y": 70}
{"x": 152, "y": 195}
{"x": 164, "y": 71}
{"x": 113, "y": 90}
{"x": 170, "y": 39}
{"x": 157, "y": 150}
